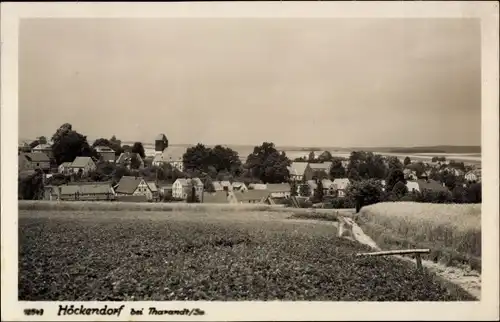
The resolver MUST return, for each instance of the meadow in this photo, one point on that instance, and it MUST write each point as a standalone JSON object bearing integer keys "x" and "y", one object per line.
{"x": 451, "y": 231}
{"x": 205, "y": 254}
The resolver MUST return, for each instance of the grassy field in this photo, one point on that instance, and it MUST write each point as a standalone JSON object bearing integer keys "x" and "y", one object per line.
{"x": 452, "y": 232}
{"x": 204, "y": 255}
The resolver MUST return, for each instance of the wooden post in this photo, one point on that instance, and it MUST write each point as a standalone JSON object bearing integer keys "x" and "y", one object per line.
{"x": 420, "y": 269}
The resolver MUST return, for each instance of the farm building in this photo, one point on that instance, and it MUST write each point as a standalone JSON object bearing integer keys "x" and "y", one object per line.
{"x": 83, "y": 165}
{"x": 135, "y": 186}
{"x": 279, "y": 190}
{"x": 171, "y": 155}
{"x": 125, "y": 159}
{"x": 432, "y": 185}
{"x": 340, "y": 185}
{"x": 239, "y": 186}
{"x": 473, "y": 176}
{"x": 181, "y": 188}
{"x": 106, "y": 153}
{"x": 64, "y": 168}
{"x": 297, "y": 170}
{"x": 412, "y": 186}
{"x": 43, "y": 148}
{"x": 317, "y": 170}
{"x": 257, "y": 186}
{"x": 80, "y": 192}
{"x": 33, "y": 160}
{"x": 215, "y": 197}
{"x": 252, "y": 196}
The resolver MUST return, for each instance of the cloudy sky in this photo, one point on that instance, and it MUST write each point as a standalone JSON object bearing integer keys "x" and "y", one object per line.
{"x": 301, "y": 82}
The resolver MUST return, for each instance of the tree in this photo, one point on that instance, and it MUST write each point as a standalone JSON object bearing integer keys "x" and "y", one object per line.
{"x": 126, "y": 148}
{"x": 325, "y": 156}
{"x": 337, "y": 170}
{"x": 364, "y": 193}
{"x": 474, "y": 193}
{"x": 68, "y": 144}
{"x": 208, "y": 185}
{"x": 223, "y": 158}
{"x": 268, "y": 164}
{"x": 395, "y": 175}
{"x": 293, "y": 189}
{"x": 448, "y": 179}
{"x": 367, "y": 165}
{"x": 318, "y": 192}
{"x": 305, "y": 190}
{"x": 400, "y": 189}
{"x": 407, "y": 161}
{"x": 42, "y": 140}
{"x": 459, "y": 194}
{"x": 139, "y": 149}
{"x": 312, "y": 157}
{"x": 116, "y": 145}
{"x": 31, "y": 187}
{"x": 197, "y": 157}
{"x": 353, "y": 175}
{"x": 394, "y": 163}
{"x": 135, "y": 162}
{"x": 101, "y": 142}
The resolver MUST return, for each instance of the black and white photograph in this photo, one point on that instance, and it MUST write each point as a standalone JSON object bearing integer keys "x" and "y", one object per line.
{"x": 212, "y": 159}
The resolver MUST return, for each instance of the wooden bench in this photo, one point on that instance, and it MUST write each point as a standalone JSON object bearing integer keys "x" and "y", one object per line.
{"x": 417, "y": 253}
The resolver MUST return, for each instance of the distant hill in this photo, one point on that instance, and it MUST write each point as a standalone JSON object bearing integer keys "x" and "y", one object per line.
{"x": 439, "y": 149}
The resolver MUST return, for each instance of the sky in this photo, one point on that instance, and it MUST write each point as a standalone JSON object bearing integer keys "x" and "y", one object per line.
{"x": 295, "y": 82}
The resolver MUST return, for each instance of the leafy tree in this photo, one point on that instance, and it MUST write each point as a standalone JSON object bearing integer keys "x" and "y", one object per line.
{"x": 395, "y": 175}
{"x": 42, "y": 140}
{"x": 223, "y": 158}
{"x": 337, "y": 170}
{"x": 208, "y": 185}
{"x": 400, "y": 189}
{"x": 139, "y": 149}
{"x": 474, "y": 193}
{"x": 448, "y": 179}
{"x": 116, "y": 145}
{"x": 353, "y": 175}
{"x": 126, "y": 148}
{"x": 101, "y": 142}
{"x": 31, "y": 187}
{"x": 318, "y": 192}
{"x": 135, "y": 161}
{"x": 311, "y": 157}
{"x": 305, "y": 190}
{"x": 394, "y": 163}
{"x": 268, "y": 164}
{"x": 325, "y": 156}
{"x": 197, "y": 157}
{"x": 459, "y": 194}
{"x": 364, "y": 193}
{"x": 293, "y": 189}
{"x": 68, "y": 144}
{"x": 418, "y": 167}
{"x": 407, "y": 161}
{"x": 367, "y": 165}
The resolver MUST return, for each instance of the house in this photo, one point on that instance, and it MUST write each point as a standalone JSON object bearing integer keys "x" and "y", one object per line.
{"x": 317, "y": 170}
{"x": 134, "y": 186}
{"x": 297, "y": 170}
{"x": 340, "y": 186}
{"x": 257, "y": 186}
{"x": 279, "y": 190}
{"x": 328, "y": 187}
{"x": 312, "y": 187}
{"x": 85, "y": 165}
{"x": 412, "y": 186}
{"x": 226, "y": 185}
{"x": 65, "y": 168}
{"x": 164, "y": 188}
{"x": 252, "y": 196}
{"x": 125, "y": 159}
{"x": 431, "y": 185}
{"x": 217, "y": 186}
{"x": 473, "y": 175}
{"x": 154, "y": 190}
{"x": 83, "y": 192}
{"x": 239, "y": 186}
{"x": 216, "y": 197}
{"x": 106, "y": 153}
{"x": 181, "y": 188}
{"x": 43, "y": 148}
{"x": 410, "y": 174}
{"x": 171, "y": 155}
{"x": 33, "y": 160}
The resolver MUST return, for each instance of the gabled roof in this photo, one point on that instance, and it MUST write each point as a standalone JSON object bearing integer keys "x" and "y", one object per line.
{"x": 412, "y": 185}
{"x": 65, "y": 164}
{"x": 258, "y": 186}
{"x": 431, "y": 185}
{"x": 225, "y": 183}
{"x": 312, "y": 184}
{"x": 278, "y": 187}
{"x": 86, "y": 189}
{"x": 297, "y": 168}
{"x": 252, "y": 195}
{"x": 238, "y": 185}
{"x": 127, "y": 156}
{"x": 327, "y": 183}
{"x": 170, "y": 154}
{"x": 152, "y": 186}
{"x": 215, "y": 197}
{"x": 128, "y": 184}
{"x": 217, "y": 186}
{"x": 26, "y": 173}
{"x": 81, "y": 162}
{"x": 320, "y": 166}
{"x": 160, "y": 137}
{"x": 36, "y": 157}
{"x": 186, "y": 182}
{"x": 43, "y": 147}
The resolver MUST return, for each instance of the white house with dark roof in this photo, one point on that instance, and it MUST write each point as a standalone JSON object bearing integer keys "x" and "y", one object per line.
{"x": 43, "y": 148}
{"x": 134, "y": 186}
{"x": 83, "y": 164}
{"x": 171, "y": 155}
{"x": 340, "y": 186}
{"x": 279, "y": 190}
{"x": 297, "y": 170}
{"x": 181, "y": 188}
{"x": 239, "y": 186}
{"x": 65, "y": 168}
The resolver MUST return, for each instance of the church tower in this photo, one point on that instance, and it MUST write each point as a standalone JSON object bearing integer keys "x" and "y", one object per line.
{"x": 161, "y": 143}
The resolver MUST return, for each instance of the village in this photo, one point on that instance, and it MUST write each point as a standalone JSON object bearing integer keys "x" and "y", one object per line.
{"x": 306, "y": 175}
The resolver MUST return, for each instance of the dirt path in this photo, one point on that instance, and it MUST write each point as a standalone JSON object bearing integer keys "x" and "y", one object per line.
{"x": 468, "y": 280}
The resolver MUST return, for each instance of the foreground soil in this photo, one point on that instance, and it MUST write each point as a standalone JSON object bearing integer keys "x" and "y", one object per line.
{"x": 205, "y": 256}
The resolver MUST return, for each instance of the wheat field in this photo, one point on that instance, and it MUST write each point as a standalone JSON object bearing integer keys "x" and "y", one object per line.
{"x": 451, "y": 231}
